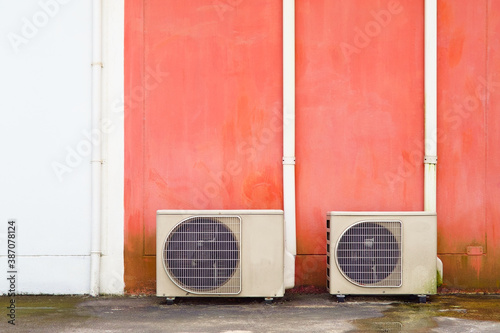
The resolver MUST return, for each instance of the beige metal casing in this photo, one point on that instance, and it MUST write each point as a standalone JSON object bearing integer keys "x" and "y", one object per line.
{"x": 262, "y": 252}
{"x": 419, "y": 252}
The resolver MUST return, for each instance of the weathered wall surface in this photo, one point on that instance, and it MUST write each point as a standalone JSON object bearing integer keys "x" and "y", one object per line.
{"x": 359, "y": 115}
{"x": 205, "y": 127}
{"x": 203, "y": 121}
{"x": 469, "y": 158}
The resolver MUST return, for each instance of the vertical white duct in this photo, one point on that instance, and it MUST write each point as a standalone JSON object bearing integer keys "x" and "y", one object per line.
{"x": 289, "y": 140}
{"x": 96, "y": 162}
{"x": 430, "y": 159}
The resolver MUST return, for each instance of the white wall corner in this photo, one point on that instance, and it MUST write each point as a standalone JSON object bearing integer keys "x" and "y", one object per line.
{"x": 112, "y": 233}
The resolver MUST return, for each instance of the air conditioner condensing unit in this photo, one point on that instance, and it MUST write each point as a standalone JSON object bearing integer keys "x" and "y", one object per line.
{"x": 381, "y": 253}
{"x": 217, "y": 253}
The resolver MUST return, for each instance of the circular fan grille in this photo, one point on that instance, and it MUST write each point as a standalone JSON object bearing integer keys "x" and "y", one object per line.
{"x": 201, "y": 254}
{"x": 369, "y": 252}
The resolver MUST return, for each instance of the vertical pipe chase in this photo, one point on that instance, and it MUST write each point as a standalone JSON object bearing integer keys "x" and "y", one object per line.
{"x": 96, "y": 160}
{"x": 289, "y": 140}
{"x": 430, "y": 159}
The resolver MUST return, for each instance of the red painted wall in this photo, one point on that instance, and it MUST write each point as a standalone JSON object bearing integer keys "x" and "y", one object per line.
{"x": 207, "y": 130}
{"x": 359, "y": 101}
{"x": 203, "y": 85}
{"x": 469, "y": 159}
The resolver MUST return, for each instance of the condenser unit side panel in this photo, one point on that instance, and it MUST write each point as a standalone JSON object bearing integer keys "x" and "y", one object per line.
{"x": 262, "y": 256}
{"x": 419, "y": 255}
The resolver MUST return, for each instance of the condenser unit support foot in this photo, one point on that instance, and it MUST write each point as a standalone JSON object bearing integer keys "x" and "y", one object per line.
{"x": 422, "y": 298}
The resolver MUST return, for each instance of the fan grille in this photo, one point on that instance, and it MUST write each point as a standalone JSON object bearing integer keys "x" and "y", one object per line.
{"x": 201, "y": 255}
{"x": 369, "y": 254}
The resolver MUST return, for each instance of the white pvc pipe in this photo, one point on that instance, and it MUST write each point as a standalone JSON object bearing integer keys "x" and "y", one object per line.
{"x": 96, "y": 161}
{"x": 289, "y": 140}
{"x": 430, "y": 159}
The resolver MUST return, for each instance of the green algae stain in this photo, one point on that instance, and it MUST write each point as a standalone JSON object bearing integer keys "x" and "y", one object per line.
{"x": 43, "y": 311}
{"x": 414, "y": 317}
{"x": 439, "y": 279}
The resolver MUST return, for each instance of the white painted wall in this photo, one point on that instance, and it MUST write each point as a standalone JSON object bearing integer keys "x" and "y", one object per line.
{"x": 45, "y": 141}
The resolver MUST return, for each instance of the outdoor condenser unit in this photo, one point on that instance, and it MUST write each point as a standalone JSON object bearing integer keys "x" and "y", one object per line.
{"x": 219, "y": 253}
{"x": 383, "y": 253}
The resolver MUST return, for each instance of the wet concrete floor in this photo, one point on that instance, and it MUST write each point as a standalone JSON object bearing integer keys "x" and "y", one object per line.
{"x": 293, "y": 313}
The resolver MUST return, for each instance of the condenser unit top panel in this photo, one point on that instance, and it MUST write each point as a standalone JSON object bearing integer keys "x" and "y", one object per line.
{"x": 221, "y": 212}
{"x": 381, "y": 213}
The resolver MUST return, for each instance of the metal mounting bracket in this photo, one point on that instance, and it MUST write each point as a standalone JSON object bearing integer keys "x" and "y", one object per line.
{"x": 430, "y": 159}
{"x": 288, "y": 160}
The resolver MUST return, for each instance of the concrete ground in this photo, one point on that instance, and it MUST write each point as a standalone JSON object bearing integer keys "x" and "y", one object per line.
{"x": 293, "y": 313}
